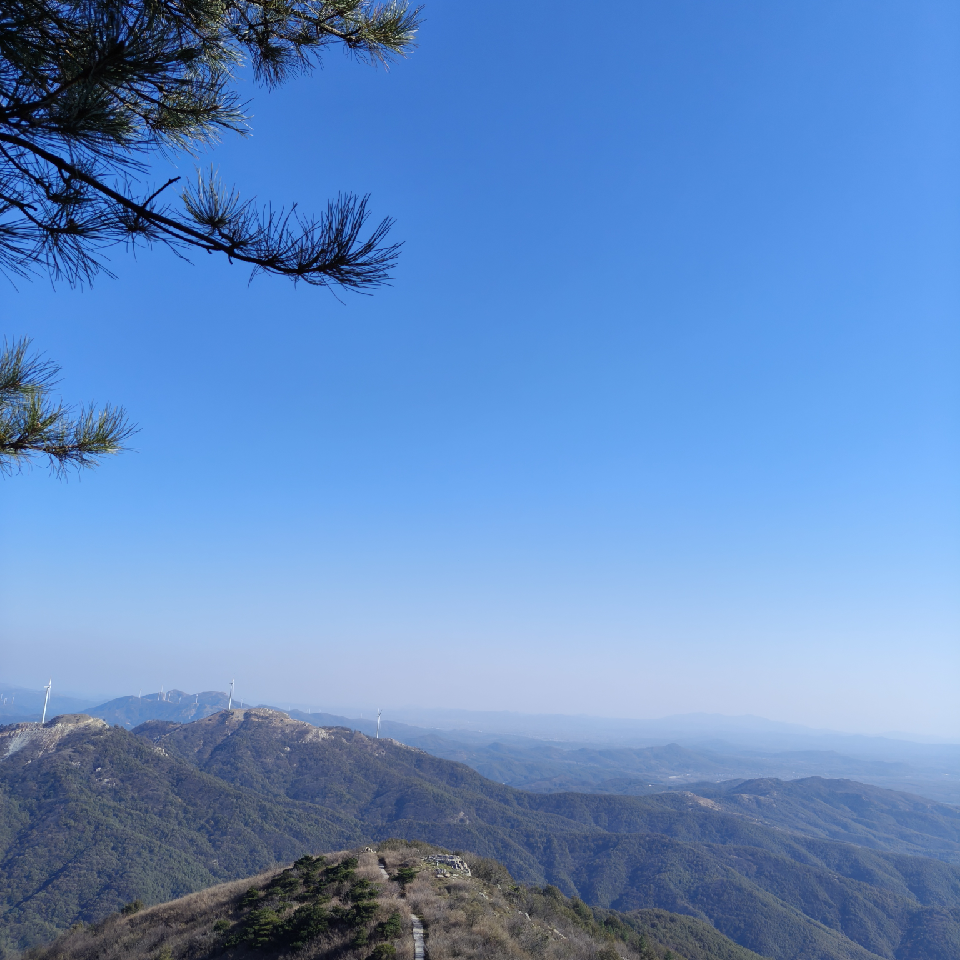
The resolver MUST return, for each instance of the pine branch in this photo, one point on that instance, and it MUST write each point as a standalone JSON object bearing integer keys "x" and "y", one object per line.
{"x": 22, "y": 375}
{"x": 90, "y": 88}
{"x": 321, "y": 252}
{"x": 32, "y": 425}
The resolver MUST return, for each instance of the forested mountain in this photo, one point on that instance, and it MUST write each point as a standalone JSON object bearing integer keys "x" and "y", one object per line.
{"x": 92, "y": 817}
{"x": 546, "y": 767}
{"x": 95, "y": 816}
{"x": 845, "y": 810}
{"x": 552, "y": 766}
{"x": 173, "y": 705}
{"x": 352, "y": 905}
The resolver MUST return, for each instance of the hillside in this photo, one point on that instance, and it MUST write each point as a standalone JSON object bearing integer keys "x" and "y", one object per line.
{"x": 845, "y": 810}
{"x": 548, "y": 768}
{"x": 346, "y": 905}
{"x": 175, "y": 705}
{"x": 201, "y": 787}
{"x": 642, "y": 757}
{"x": 92, "y": 817}
{"x": 553, "y": 766}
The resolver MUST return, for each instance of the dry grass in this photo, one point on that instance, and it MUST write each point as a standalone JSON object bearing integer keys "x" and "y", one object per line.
{"x": 470, "y": 918}
{"x": 184, "y": 929}
{"x": 483, "y": 917}
{"x": 181, "y": 927}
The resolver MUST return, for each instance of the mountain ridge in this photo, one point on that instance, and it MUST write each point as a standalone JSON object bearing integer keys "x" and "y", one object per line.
{"x": 339, "y": 905}
{"x": 777, "y": 893}
{"x": 602, "y": 758}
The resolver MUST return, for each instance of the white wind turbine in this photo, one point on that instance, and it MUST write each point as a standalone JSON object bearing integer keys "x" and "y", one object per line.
{"x": 230, "y": 698}
{"x": 46, "y": 700}
{"x": 379, "y": 712}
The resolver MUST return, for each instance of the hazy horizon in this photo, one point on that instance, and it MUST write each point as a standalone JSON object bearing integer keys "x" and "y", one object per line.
{"x": 410, "y": 712}
{"x": 659, "y": 415}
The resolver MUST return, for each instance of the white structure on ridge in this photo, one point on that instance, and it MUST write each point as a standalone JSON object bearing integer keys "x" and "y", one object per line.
{"x": 46, "y": 700}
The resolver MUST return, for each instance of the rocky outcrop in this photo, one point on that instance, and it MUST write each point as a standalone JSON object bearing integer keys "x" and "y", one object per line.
{"x": 41, "y": 738}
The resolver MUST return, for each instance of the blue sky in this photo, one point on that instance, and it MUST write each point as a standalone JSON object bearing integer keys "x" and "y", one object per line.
{"x": 659, "y": 415}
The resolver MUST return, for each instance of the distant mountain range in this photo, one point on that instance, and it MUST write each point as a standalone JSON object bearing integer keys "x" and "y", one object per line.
{"x": 744, "y": 730}
{"x": 93, "y": 816}
{"x": 21, "y": 704}
{"x": 551, "y": 766}
{"x": 174, "y": 705}
{"x": 624, "y": 764}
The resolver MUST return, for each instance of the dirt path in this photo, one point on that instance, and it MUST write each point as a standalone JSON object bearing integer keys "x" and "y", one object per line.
{"x": 419, "y": 951}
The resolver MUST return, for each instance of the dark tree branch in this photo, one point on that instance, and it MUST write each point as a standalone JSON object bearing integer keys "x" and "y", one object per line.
{"x": 32, "y": 425}
{"x": 88, "y": 88}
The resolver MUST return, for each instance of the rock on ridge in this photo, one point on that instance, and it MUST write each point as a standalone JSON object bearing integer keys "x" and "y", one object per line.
{"x": 46, "y": 736}
{"x": 238, "y": 718}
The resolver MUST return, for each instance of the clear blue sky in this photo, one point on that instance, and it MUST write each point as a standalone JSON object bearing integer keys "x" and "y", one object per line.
{"x": 661, "y": 413}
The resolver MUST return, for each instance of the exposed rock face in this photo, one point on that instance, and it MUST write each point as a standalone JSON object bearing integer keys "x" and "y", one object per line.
{"x": 279, "y": 724}
{"x": 700, "y": 801}
{"x": 447, "y": 862}
{"x": 39, "y": 739}
{"x": 202, "y": 737}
